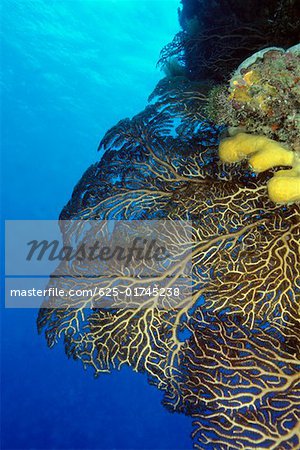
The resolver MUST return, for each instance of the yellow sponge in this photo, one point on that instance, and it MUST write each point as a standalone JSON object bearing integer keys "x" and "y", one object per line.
{"x": 234, "y": 149}
{"x": 284, "y": 187}
{"x": 264, "y": 154}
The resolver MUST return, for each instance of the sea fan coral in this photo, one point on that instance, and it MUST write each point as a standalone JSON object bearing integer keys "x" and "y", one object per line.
{"x": 164, "y": 164}
{"x": 241, "y": 386}
{"x": 227, "y": 352}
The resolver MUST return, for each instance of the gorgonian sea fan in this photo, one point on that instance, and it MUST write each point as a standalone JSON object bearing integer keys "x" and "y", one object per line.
{"x": 164, "y": 164}
{"x": 240, "y": 385}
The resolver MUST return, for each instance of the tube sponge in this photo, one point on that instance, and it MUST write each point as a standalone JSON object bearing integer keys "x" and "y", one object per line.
{"x": 265, "y": 154}
{"x": 284, "y": 187}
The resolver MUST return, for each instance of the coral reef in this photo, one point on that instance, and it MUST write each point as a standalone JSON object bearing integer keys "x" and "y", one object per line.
{"x": 228, "y": 352}
{"x": 164, "y": 164}
{"x": 263, "y": 97}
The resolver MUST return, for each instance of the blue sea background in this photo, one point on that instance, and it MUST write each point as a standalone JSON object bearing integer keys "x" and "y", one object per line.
{"x": 70, "y": 70}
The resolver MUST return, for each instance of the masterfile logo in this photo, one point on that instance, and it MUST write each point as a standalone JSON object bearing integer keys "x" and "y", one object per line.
{"x": 92, "y": 263}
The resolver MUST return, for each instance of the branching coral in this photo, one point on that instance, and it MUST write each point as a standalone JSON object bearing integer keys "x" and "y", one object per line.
{"x": 227, "y": 351}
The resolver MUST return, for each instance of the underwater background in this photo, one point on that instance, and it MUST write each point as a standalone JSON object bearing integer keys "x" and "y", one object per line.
{"x": 217, "y": 146}
{"x": 71, "y": 70}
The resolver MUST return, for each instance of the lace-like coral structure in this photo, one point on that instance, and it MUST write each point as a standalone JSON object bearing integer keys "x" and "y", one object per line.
{"x": 228, "y": 354}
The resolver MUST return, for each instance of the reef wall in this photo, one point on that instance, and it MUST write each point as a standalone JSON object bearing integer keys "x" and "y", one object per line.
{"x": 237, "y": 370}
{"x": 216, "y": 36}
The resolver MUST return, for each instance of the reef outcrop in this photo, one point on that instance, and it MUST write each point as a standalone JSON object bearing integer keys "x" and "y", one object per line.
{"x": 216, "y": 36}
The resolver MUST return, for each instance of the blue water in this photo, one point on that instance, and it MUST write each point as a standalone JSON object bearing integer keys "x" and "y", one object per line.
{"x": 70, "y": 70}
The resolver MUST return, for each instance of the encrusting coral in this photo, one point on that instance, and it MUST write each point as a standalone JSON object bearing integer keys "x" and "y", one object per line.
{"x": 264, "y": 95}
{"x": 261, "y": 106}
{"x": 263, "y": 98}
